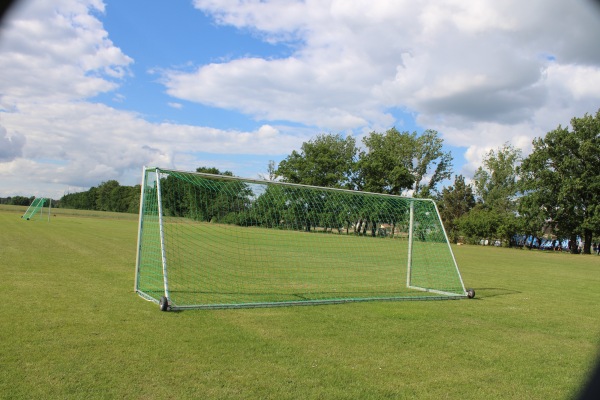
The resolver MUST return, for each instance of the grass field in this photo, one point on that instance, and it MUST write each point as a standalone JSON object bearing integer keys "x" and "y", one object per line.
{"x": 212, "y": 264}
{"x": 72, "y": 327}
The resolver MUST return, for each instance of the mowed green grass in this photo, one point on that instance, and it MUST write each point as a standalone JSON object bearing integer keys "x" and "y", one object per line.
{"x": 216, "y": 264}
{"x": 72, "y": 327}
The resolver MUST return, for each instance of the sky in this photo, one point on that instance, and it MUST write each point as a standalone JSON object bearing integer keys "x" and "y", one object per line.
{"x": 94, "y": 90}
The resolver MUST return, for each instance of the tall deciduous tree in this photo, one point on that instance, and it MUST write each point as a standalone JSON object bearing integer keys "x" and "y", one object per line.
{"x": 561, "y": 177}
{"x": 105, "y": 199}
{"x": 496, "y": 180}
{"x": 496, "y": 186}
{"x": 394, "y": 162}
{"x": 455, "y": 202}
{"x": 271, "y": 174}
{"x": 430, "y": 159}
{"x": 328, "y": 160}
{"x": 385, "y": 166}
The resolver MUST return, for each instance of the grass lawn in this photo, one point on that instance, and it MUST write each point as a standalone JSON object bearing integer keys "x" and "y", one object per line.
{"x": 211, "y": 264}
{"x": 72, "y": 327}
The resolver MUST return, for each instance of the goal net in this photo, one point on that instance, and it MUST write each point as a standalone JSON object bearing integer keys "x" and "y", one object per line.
{"x": 35, "y": 207}
{"x": 212, "y": 241}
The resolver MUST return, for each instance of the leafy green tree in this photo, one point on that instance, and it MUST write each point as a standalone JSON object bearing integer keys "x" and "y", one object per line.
{"x": 81, "y": 200}
{"x": 480, "y": 223}
{"x": 212, "y": 200}
{"x": 385, "y": 166}
{"x": 561, "y": 178}
{"x": 496, "y": 185}
{"x": 271, "y": 174}
{"x": 21, "y": 201}
{"x": 328, "y": 160}
{"x": 454, "y": 202}
{"x": 134, "y": 199}
{"x": 106, "y": 192}
{"x": 429, "y": 158}
{"x": 496, "y": 180}
{"x": 270, "y": 207}
{"x": 394, "y": 162}
{"x": 213, "y": 170}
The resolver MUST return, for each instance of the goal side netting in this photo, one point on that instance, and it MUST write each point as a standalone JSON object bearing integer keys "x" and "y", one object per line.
{"x": 212, "y": 241}
{"x": 35, "y": 207}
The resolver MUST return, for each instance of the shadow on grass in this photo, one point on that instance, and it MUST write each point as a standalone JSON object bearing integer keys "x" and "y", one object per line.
{"x": 484, "y": 293}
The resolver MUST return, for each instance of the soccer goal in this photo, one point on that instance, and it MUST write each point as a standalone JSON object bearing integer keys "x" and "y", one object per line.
{"x": 212, "y": 241}
{"x": 36, "y": 206}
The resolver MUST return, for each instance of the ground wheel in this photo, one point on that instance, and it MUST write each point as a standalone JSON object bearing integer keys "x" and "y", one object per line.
{"x": 471, "y": 293}
{"x": 163, "y": 304}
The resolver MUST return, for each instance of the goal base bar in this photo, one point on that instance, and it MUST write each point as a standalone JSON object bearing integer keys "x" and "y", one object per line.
{"x": 147, "y": 297}
{"x": 449, "y": 294}
{"x": 174, "y": 307}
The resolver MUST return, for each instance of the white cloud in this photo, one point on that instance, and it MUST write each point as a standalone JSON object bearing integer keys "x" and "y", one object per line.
{"x": 55, "y": 55}
{"x": 57, "y": 50}
{"x": 83, "y": 144}
{"x": 11, "y": 146}
{"x": 481, "y": 73}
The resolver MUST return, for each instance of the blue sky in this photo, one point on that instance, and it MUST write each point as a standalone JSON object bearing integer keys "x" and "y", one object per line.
{"x": 176, "y": 36}
{"x": 93, "y": 90}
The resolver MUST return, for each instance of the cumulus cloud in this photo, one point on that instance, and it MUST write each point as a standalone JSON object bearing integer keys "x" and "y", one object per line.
{"x": 82, "y": 144}
{"x": 57, "y": 51}
{"x": 481, "y": 73}
{"x": 11, "y": 146}
{"x": 54, "y": 56}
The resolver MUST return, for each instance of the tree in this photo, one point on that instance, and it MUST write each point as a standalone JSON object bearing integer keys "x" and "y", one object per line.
{"x": 496, "y": 185}
{"x": 394, "y": 162}
{"x": 21, "y": 200}
{"x": 496, "y": 180}
{"x": 81, "y": 200}
{"x": 271, "y": 174}
{"x": 328, "y": 160}
{"x": 182, "y": 201}
{"x": 428, "y": 153}
{"x": 213, "y": 170}
{"x": 385, "y": 166}
{"x": 561, "y": 179}
{"x": 105, "y": 195}
{"x": 455, "y": 202}
{"x": 479, "y": 223}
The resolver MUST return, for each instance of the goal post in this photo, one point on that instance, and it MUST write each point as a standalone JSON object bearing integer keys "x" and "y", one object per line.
{"x": 213, "y": 241}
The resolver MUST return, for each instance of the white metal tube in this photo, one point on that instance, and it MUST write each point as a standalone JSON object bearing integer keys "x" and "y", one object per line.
{"x": 278, "y": 183}
{"x": 26, "y": 211}
{"x": 410, "y": 242}
{"x": 449, "y": 247}
{"x": 140, "y": 227}
{"x": 162, "y": 235}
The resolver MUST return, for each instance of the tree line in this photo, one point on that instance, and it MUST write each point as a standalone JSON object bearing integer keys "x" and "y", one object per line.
{"x": 108, "y": 196}
{"x": 300, "y": 208}
{"x": 553, "y": 191}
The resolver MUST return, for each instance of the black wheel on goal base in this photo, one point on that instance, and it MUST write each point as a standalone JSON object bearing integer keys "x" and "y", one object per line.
{"x": 163, "y": 304}
{"x": 471, "y": 293}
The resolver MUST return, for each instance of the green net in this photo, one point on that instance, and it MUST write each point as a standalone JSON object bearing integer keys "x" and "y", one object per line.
{"x": 36, "y": 206}
{"x": 215, "y": 241}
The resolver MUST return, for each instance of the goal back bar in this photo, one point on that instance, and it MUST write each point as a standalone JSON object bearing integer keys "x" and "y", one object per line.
{"x": 212, "y": 241}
